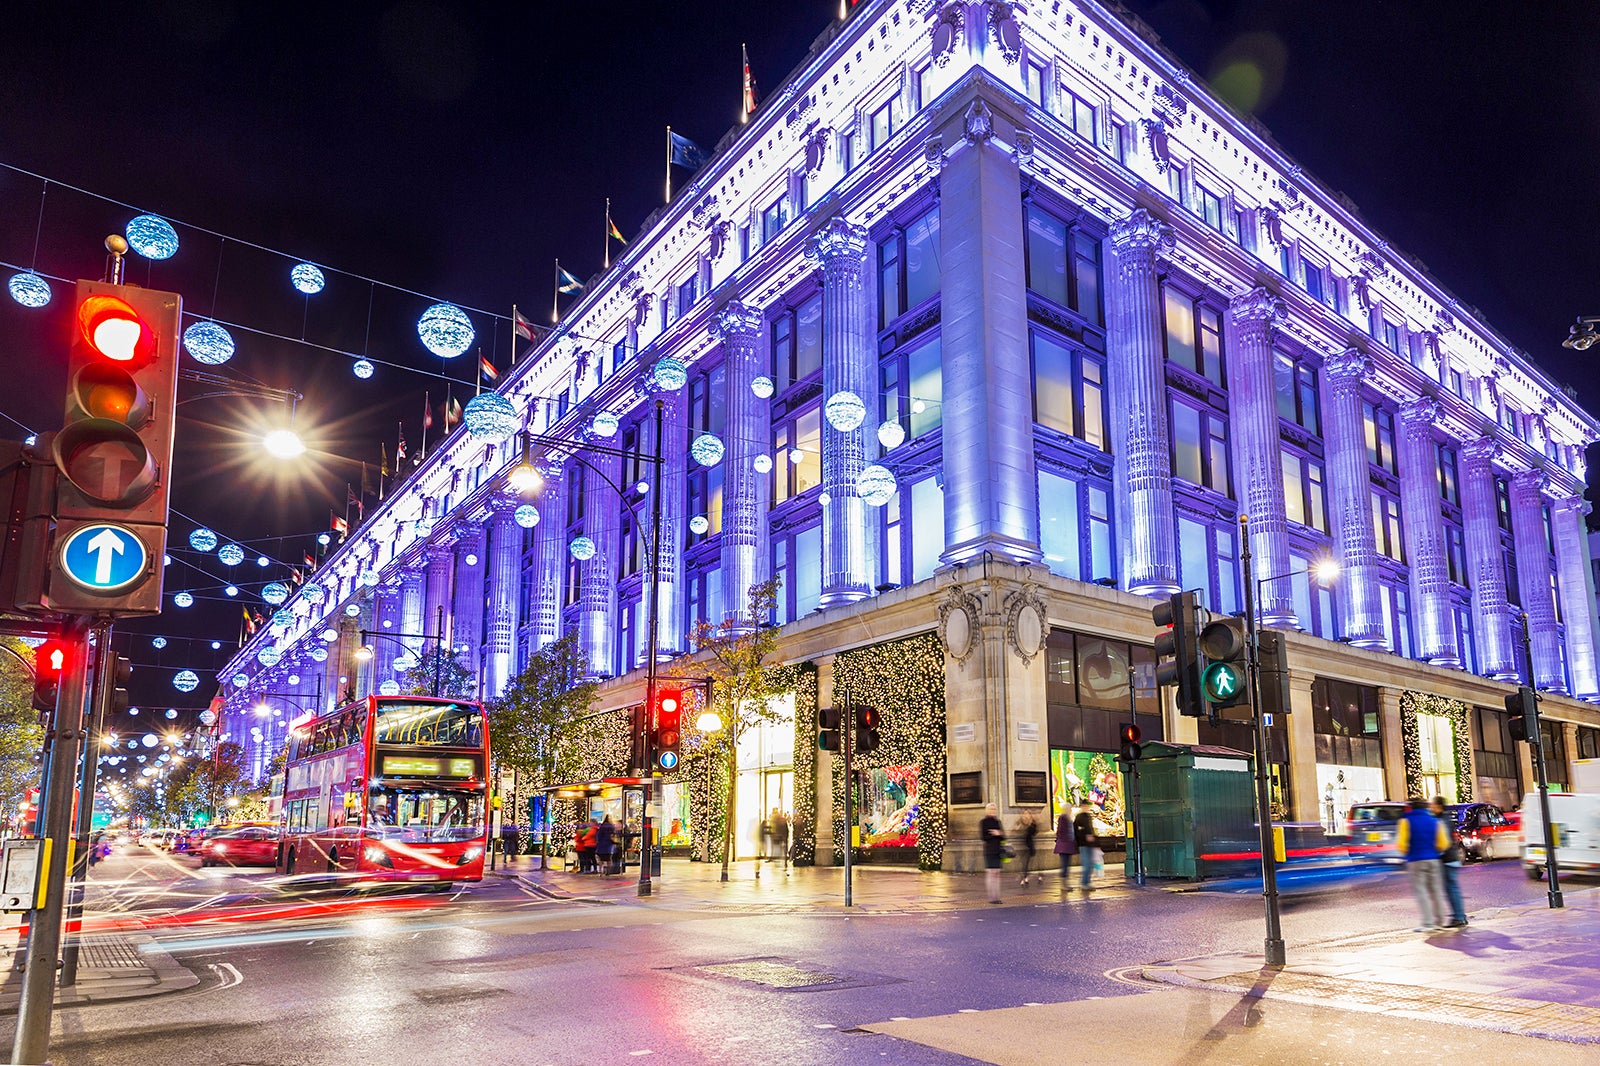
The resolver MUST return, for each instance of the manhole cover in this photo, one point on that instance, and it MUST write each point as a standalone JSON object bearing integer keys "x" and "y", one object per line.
{"x": 771, "y": 974}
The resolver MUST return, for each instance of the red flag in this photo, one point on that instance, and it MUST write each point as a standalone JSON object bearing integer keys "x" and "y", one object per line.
{"x": 487, "y": 369}
{"x": 249, "y": 623}
{"x": 339, "y": 525}
{"x": 427, "y": 412}
{"x": 749, "y": 84}
{"x": 311, "y": 563}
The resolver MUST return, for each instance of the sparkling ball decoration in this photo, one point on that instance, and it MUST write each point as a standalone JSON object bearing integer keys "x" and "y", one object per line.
{"x": 241, "y": 680}
{"x": 670, "y": 374}
{"x": 324, "y": 540}
{"x": 268, "y": 656}
{"x": 605, "y": 424}
{"x": 823, "y": 499}
{"x": 470, "y": 560}
{"x": 707, "y": 449}
{"x": 171, "y": 714}
{"x": 582, "y": 549}
{"x": 230, "y": 554}
{"x": 313, "y": 593}
{"x": 29, "y": 289}
{"x": 275, "y": 592}
{"x": 891, "y": 434}
{"x": 152, "y": 237}
{"x": 368, "y": 579}
{"x": 490, "y": 417}
{"x": 231, "y": 590}
{"x": 216, "y": 645}
{"x": 319, "y": 655}
{"x": 918, "y": 406}
{"x": 184, "y": 599}
{"x": 362, "y": 368}
{"x": 762, "y": 463}
{"x": 390, "y": 687}
{"x": 150, "y": 740}
{"x": 307, "y": 277}
{"x": 208, "y": 343}
{"x": 446, "y": 331}
{"x": 262, "y": 560}
{"x": 352, "y": 610}
{"x": 282, "y": 618}
{"x": 329, "y": 635}
{"x": 158, "y": 643}
{"x": 875, "y": 484}
{"x": 294, "y": 679}
{"x": 845, "y": 411}
{"x": 202, "y": 540}
{"x": 186, "y": 681}
{"x": 405, "y": 661}
{"x": 527, "y": 516}
{"x": 642, "y": 487}
{"x": 797, "y": 456}
{"x": 698, "y": 525}
{"x": 763, "y": 387}
{"x": 208, "y": 717}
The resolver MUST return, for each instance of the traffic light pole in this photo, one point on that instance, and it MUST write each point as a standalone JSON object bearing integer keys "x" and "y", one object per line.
{"x": 847, "y": 740}
{"x": 652, "y": 653}
{"x": 1273, "y": 945}
{"x": 34, "y": 1010}
{"x": 1536, "y": 742}
{"x": 105, "y": 683}
{"x": 1133, "y": 788}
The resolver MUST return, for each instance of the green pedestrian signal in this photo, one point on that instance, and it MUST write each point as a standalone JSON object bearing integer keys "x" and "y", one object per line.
{"x": 1223, "y": 683}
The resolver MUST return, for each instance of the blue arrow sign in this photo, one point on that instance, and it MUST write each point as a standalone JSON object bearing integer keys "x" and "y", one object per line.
{"x": 104, "y": 558}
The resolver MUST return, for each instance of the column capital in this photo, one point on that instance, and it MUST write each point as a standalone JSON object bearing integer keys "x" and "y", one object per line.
{"x": 1348, "y": 366}
{"x": 1531, "y": 480}
{"x": 839, "y": 245}
{"x": 1483, "y": 450}
{"x": 736, "y": 320}
{"x": 1257, "y": 307}
{"x": 1576, "y": 504}
{"x": 1141, "y": 231}
{"x": 1420, "y": 414}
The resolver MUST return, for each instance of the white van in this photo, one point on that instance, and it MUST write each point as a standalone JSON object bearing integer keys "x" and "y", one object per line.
{"x": 1576, "y": 817}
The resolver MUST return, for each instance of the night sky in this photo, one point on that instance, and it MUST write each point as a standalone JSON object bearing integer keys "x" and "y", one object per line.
{"x": 456, "y": 153}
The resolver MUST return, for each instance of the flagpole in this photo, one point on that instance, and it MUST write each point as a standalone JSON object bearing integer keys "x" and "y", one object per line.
{"x": 607, "y": 264}
{"x": 555, "y": 296}
{"x": 427, "y": 416}
{"x": 669, "y": 164}
{"x": 513, "y": 360}
{"x": 744, "y": 85}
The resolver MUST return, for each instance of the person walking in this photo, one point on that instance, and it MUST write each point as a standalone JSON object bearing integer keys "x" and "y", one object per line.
{"x": 780, "y": 836}
{"x": 1088, "y": 845}
{"x": 605, "y": 845}
{"x": 1028, "y": 831}
{"x": 1066, "y": 842}
{"x": 586, "y": 842}
{"x": 993, "y": 836}
{"x": 1450, "y": 866}
{"x": 1421, "y": 839}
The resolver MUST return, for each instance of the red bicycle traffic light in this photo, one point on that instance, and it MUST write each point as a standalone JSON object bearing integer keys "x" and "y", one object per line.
{"x": 668, "y": 718}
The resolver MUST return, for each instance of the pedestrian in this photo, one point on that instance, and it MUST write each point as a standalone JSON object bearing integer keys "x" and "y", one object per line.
{"x": 780, "y": 835}
{"x": 1066, "y": 842}
{"x": 1028, "y": 831}
{"x": 994, "y": 843}
{"x": 766, "y": 836}
{"x": 605, "y": 844}
{"x": 1088, "y": 845}
{"x": 1421, "y": 839}
{"x": 1450, "y": 866}
{"x": 586, "y": 842}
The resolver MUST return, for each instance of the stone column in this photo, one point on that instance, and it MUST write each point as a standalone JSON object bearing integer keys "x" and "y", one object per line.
{"x": 386, "y": 620}
{"x": 468, "y": 602}
{"x": 1136, "y": 367}
{"x": 849, "y": 364}
{"x": 411, "y": 604}
{"x": 549, "y": 560}
{"x": 670, "y": 628}
{"x": 1420, "y": 503}
{"x": 1533, "y": 576}
{"x": 746, "y": 492}
{"x": 1257, "y": 469}
{"x": 1491, "y": 626}
{"x": 1569, "y": 741}
{"x": 991, "y": 489}
{"x": 597, "y": 586}
{"x": 1350, "y": 498}
{"x": 441, "y": 563}
{"x": 342, "y": 658}
{"x": 1577, "y": 595}
{"x": 505, "y": 578}
{"x": 1389, "y": 734}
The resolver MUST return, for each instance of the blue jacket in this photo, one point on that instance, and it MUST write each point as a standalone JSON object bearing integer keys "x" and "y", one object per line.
{"x": 1420, "y": 836}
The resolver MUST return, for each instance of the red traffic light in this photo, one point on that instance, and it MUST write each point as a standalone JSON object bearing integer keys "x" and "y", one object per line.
{"x": 49, "y": 659}
{"x": 669, "y": 717}
{"x": 1131, "y": 734}
{"x": 112, "y": 327}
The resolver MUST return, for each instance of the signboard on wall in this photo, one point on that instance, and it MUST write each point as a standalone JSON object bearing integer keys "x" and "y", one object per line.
{"x": 1028, "y": 731}
{"x": 966, "y": 789}
{"x": 1032, "y": 786}
{"x": 963, "y": 733}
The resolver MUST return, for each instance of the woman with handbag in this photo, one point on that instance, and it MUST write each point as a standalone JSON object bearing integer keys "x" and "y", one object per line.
{"x": 1088, "y": 845}
{"x": 993, "y": 836}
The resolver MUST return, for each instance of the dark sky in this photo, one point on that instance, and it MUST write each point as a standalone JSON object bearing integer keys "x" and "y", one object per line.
{"x": 457, "y": 149}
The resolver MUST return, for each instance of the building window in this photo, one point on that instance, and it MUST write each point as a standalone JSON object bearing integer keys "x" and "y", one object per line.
{"x": 1315, "y": 282}
{"x": 923, "y": 80}
{"x": 912, "y": 388}
{"x": 908, "y": 268}
{"x": 1391, "y": 336}
{"x": 1063, "y": 264}
{"x": 1455, "y": 553}
{"x": 885, "y": 122}
{"x": 913, "y": 532}
{"x": 686, "y": 296}
{"x": 1449, "y": 479}
{"x": 1075, "y": 527}
{"x": 1200, "y": 447}
{"x": 1194, "y": 335}
{"x": 1244, "y": 228}
{"x": 797, "y": 343}
{"x": 1119, "y": 142}
{"x": 797, "y": 563}
{"x": 847, "y": 151}
{"x": 1304, "y": 495}
{"x": 1386, "y": 526}
{"x": 1069, "y": 390}
{"x": 1208, "y": 206}
{"x": 1380, "y": 436}
{"x": 774, "y": 218}
{"x": 705, "y": 499}
{"x": 797, "y": 454}
{"x": 1081, "y": 116}
{"x": 1035, "y": 80}
{"x": 1208, "y": 560}
{"x": 1502, "y": 503}
{"x": 1295, "y": 384}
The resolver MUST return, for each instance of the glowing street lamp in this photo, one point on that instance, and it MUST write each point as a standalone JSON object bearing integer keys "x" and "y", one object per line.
{"x": 284, "y": 444}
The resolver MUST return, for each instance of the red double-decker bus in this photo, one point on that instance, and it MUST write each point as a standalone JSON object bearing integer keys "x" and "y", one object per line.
{"x": 389, "y": 787}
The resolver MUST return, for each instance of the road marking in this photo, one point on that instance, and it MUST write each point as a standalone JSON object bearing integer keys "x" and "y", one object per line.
{"x": 824, "y": 1025}
{"x": 227, "y": 973}
{"x": 643, "y": 1051}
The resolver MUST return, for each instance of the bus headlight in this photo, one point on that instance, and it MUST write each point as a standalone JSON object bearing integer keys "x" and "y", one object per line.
{"x": 378, "y": 856}
{"x": 468, "y": 856}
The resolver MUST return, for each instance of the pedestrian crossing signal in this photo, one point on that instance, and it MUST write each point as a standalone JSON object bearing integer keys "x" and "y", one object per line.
{"x": 1130, "y": 750}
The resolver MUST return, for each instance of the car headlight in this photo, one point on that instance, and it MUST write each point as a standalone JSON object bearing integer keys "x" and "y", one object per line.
{"x": 221, "y": 849}
{"x": 378, "y": 855}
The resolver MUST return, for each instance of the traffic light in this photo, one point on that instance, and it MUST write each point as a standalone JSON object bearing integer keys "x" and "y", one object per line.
{"x": 114, "y": 452}
{"x": 1130, "y": 750}
{"x": 668, "y": 717}
{"x": 867, "y": 738}
{"x": 829, "y": 735}
{"x": 1225, "y": 679}
{"x": 1272, "y": 660}
{"x": 111, "y": 696}
{"x": 1522, "y": 709}
{"x": 49, "y": 659}
{"x": 1183, "y": 618}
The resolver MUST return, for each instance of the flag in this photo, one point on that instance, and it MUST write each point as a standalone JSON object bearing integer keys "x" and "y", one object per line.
{"x": 311, "y": 562}
{"x": 749, "y": 84}
{"x": 400, "y": 445}
{"x": 383, "y": 463}
{"x": 452, "y": 412}
{"x": 486, "y": 368}
{"x": 427, "y": 412}
{"x": 366, "y": 481}
{"x": 249, "y": 623}
{"x": 295, "y": 575}
{"x": 338, "y": 525}
{"x": 685, "y": 153}
{"x": 566, "y": 283}
{"x": 524, "y": 327}
{"x": 613, "y": 232}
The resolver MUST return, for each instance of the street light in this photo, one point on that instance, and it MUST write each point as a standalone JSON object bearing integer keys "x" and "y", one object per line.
{"x": 1582, "y": 335}
{"x": 523, "y": 477}
{"x": 283, "y": 444}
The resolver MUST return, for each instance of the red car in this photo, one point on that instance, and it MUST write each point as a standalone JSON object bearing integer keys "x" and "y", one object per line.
{"x": 246, "y": 845}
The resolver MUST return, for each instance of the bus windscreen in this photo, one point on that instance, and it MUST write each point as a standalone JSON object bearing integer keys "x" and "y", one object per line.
{"x": 429, "y": 724}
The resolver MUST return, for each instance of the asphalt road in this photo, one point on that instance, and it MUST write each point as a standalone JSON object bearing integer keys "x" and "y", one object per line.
{"x": 499, "y": 973}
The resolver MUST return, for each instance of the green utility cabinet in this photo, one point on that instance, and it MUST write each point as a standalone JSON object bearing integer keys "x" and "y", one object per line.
{"x": 1197, "y": 811}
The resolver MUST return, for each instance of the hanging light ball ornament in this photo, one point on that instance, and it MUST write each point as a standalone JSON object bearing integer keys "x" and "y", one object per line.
{"x": 670, "y": 374}
{"x": 158, "y": 643}
{"x": 171, "y": 714}
{"x": 698, "y": 525}
{"x": 294, "y": 679}
{"x": 282, "y": 618}
{"x": 152, "y": 237}
{"x": 446, "y": 331}
{"x": 208, "y": 343}
{"x": 352, "y": 610}
{"x": 262, "y": 560}
{"x": 268, "y": 656}
{"x": 275, "y": 592}
{"x": 582, "y": 549}
{"x": 762, "y": 387}
{"x": 29, "y": 289}
{"x": 186, "y": 681}
{"x": 362, "y": 368}
{"x": 313, "y": 593}
{"x": 390, "y": 687}
{"x": 184, "y": 599}
{"x": 202, "y": 540}
{"x": 762, "y": 463}
{"x": 891, "y": 434}
{"x": 845, "y": 411}
{"x": 307, "y": 277}
{"x": 230, "y": 554}
{"x": 329, "y": 635}
{"x": 875, "y": 484}
{"x": 231, "y": 590}
{"x": 605, "y": 424}
{"x": 527, "y": 516}
{"x": 490, "y": 417}
{"x": 319, "y": 655}
{"x": 706, "y": 449}
{"x": 824, "y": 499}
{"x": 368, "y": 579}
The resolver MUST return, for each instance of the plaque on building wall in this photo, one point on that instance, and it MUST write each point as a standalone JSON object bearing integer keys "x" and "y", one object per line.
{"x": 966, "y": 789}
{"x": 1032, "y": 786}
{"x": 1028, "y": 731}
{"x": 963, "y": 733}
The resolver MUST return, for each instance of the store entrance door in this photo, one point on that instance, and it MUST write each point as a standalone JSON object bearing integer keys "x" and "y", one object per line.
{"x": 777, "y": 793}
{"x": 1436, "y": 741}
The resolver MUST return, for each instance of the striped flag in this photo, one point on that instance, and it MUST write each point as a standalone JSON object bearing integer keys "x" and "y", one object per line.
{"x": 487, "y": 369}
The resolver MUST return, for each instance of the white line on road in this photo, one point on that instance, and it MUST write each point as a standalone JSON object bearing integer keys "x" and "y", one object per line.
{"x": 227, "y": 973}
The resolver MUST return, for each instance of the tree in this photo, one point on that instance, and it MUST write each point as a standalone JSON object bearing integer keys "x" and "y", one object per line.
{"x": 21, "y": 736}
{"x": 454, "y": 680}
{"x": 206, "y": 784}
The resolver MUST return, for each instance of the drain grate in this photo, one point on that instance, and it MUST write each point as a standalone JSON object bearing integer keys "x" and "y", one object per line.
{"x": 769, "y": 973}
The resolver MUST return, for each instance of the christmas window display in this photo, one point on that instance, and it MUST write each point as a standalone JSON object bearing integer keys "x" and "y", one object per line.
{"x": 1089, "y": 780}
{"x": 889, "y": 807}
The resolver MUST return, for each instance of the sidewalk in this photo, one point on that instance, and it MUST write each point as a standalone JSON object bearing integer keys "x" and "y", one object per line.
{"x": 1526, "y": 970}
{"x": 875, "y": 889}
{"x": 110, "y": 967}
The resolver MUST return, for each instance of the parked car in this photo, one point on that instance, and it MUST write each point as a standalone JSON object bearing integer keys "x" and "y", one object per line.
{"x": 187, "y": 841}
{"x": 240, "y": 845}
{"x": 1371, "y": 827}
{"x": 1484, "y": 831}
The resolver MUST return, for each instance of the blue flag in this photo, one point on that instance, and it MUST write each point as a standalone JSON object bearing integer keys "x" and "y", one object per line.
{"x": 685, "y": 153}
{"x": 566, "y": 282}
